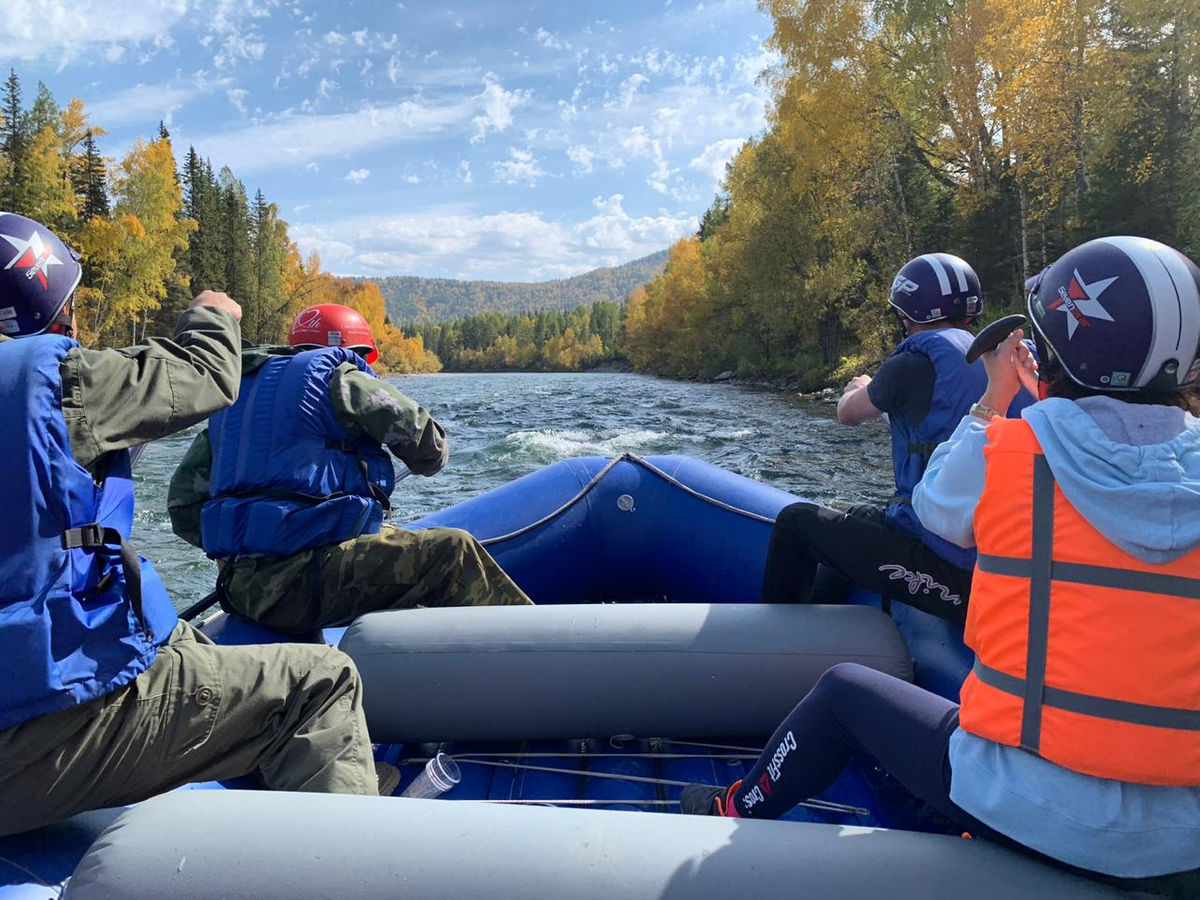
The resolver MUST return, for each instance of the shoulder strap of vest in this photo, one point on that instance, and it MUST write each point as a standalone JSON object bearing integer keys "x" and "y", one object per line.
{"x": 93, "y": 536}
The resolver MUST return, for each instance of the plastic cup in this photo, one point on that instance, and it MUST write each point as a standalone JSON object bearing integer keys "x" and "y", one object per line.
{"x": 440, "y": 774}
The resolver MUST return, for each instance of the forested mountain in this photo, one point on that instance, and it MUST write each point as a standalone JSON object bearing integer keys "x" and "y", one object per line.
{"x": 427, "y": 300}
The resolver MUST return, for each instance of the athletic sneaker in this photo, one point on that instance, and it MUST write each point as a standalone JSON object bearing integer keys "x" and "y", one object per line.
{"x": 389, "y": 778}
{"x": 706, "y": 800}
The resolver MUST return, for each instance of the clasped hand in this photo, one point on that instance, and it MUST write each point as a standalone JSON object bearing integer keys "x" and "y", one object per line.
{"x": 1009, "y": 367}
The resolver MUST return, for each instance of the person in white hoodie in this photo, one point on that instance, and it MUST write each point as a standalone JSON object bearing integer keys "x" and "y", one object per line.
{"x": 1078, "y": 735}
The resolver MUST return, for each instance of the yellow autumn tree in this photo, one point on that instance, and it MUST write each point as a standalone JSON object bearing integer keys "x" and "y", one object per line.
{"x": 662, "y": 330}
{"x": 130, "y": 257}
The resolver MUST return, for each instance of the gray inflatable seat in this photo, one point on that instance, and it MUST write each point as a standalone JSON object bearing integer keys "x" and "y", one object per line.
{"x": 651, "y": 670}
{"x": 210, "y": 844}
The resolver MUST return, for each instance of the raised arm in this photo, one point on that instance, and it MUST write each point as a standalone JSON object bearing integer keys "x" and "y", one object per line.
{"x": 113, "y": 399}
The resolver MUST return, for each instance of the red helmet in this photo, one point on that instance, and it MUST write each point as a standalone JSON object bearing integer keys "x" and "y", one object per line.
{"x": 333, "y": 325}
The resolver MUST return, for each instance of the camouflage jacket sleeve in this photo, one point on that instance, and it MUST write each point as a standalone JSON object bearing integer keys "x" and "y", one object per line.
{"x": 113, "y": 399}
{"x": 367, "y": 405}
{"x": 188, "y": 491}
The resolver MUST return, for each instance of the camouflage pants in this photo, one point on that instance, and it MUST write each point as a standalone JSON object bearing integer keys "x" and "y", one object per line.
{"x": 290, "y": 713}
{"x": 394, "y": 569}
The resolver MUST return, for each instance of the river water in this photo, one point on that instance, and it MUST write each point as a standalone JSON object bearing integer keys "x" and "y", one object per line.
{"x": 502, "y": 426}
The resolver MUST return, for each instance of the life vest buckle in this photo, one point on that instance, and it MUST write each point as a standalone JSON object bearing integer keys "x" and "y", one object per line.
{"x": 85, "y": 537}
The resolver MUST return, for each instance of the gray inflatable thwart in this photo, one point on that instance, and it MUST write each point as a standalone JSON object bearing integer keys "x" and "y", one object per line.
{"x": 210, "y": 844}
{"x": 652, "y": 670}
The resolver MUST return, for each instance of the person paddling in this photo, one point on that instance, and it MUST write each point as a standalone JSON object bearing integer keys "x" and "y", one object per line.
{"x": 1078, "y": 736}
{"x": 288, "y": 489}
{"x": 108, "y": 698}
{"x": 924, "y": 388}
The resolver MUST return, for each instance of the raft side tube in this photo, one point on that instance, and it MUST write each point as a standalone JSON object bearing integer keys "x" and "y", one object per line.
{"x": 263, "y": 844}
{"x": 654, "y": 670}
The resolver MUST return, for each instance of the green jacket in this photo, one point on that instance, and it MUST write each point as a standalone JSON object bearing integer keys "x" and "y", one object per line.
{"x": 362, "y": 404}
{"x": 119, "y": 398}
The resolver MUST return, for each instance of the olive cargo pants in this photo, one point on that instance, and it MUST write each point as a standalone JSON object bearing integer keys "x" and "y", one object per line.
{"x": 394, "y": 569}
{"x": 291, "y": 713}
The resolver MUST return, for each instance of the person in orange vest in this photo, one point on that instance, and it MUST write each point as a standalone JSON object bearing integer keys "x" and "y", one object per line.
{"x": 1078, "y": 735}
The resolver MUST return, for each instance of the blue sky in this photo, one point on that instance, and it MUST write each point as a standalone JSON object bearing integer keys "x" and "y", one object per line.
{"x": 500, "y": 140}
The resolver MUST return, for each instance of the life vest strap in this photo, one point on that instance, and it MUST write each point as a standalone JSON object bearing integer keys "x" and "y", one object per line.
{"x": 351, "y": 447}
{"x": 94, "y": 536}
{"x": 1041, "y": 569}
{"x": 294, "y": 496}
{"x": 1090, "y": 705}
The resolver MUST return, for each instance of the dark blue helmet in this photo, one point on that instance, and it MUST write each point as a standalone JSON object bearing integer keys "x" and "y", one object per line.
{"x": 936, "y": 286}
{"x": 1121, "y": 314}
{"x": 38, "y": 274}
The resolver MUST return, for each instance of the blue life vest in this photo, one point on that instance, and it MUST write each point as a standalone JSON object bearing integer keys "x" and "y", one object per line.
{"x": 956, "y": 386}
{"x": 286, "y": 476}
{"x": 75, "y": 623}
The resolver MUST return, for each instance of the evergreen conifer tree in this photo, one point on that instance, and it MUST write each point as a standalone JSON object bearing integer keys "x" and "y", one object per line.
{"x": 13, "y": 146}
{"x": 90, "y": 178}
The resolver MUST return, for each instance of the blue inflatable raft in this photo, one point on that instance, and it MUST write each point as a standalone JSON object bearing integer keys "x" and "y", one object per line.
{"x": 647, "y": 664}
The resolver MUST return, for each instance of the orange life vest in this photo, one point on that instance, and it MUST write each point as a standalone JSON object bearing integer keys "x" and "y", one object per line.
{"x": 1085, "y": 655}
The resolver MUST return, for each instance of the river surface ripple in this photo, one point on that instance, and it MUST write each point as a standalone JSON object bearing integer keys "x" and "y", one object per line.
{"x": 502, "y": 426}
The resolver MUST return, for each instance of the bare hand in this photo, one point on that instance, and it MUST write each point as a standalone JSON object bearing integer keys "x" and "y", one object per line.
{"x": 217, "y": 300}
{"x": 1009, "y": 368}
{"x": 855, "y": 383}
{"x": 1027, "y": 368}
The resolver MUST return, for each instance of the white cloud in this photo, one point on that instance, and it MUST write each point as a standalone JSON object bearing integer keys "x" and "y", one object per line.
{"x": 312, "y": 167}
{"x": 358, "y": 176}
{"x": 498, "y": 105}
{"x": 663, "y": 170}
{"x": 521, "y": 166}
{"x": 237, "y": 96}
{"x": 393, "y": 68}
{"x": 325, "y": 88}
{"x": 512, "y": 246}
{"x": 629, "y": 89}
{"x": 236, "y": 47}
{"x": 715, "y": 156}
{"x": 144, "y": 103}
{"x": 464, "y": 172}
{"x": 67, "y": 27}
{"x": 550, "y": 40}
{"x": 292, "y": 140}
{"x": 582, "y": 157}
{"x": 84, "y": 30}
{"x": 412, "y": 179}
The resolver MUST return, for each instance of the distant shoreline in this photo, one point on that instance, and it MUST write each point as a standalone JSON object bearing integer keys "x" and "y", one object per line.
{"x": 780, "y": 384}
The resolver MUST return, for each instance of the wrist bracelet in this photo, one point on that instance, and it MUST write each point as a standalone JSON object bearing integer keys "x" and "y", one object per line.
{"x": 979, "y": 411}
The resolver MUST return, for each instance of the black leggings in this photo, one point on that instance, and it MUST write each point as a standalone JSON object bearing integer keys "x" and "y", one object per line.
{"x": 907, "y": 731}
{"x": 860, "y": 547}
{"x": 852, "y": 708}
